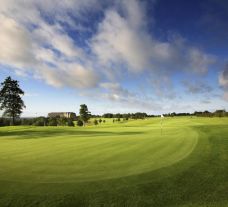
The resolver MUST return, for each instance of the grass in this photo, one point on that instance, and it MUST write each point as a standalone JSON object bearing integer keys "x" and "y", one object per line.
{"x": 128, "y": 164}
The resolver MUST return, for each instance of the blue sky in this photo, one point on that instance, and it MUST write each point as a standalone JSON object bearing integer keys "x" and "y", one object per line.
{"x": 155, "y": 56}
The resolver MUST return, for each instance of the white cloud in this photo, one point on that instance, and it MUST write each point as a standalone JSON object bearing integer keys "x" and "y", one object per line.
{"x": 33, "y": 46}
{"x": 223, "y": 77}
{"x": 200, "y": 61}
{"x": 223, "y": 81}
{"x": 197, "y": 87}
{"x": 124, "y": 39}
{"x": 56, "y": 38}
{"x": 73, "y": 75}
{"x": 117, "y": 41}
{"x": 116, "y": 91}
{"x": 16, "y": 44}
{"x": 35, "y": 41}
{"x": 29, "y": 11}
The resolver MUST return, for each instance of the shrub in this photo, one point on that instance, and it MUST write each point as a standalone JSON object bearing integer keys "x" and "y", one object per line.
{"x": 52, "y": 121}
{"x": 62, "y": 121}
{"x": 95, "y": 122}
{"x": 27, "y": 121}
{"x": 4, "y": 122}
{"x": 40, "y": 121}
{"x": 70, "y": 123}
{"x": 79, "y": 123}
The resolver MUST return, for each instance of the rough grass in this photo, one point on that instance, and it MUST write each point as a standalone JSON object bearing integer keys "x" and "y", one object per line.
{"x": 128, "y": 164}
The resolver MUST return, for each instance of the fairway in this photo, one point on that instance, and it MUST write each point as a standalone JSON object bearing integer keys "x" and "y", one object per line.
{"x": 121, "y": 164}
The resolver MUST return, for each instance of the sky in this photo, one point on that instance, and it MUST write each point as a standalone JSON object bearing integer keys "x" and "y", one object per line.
{"x": 117, "y": 56}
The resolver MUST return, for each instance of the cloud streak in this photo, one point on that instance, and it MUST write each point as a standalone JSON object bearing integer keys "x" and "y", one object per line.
{"x": 197, "y": 87}
{"x": 125, "y": 40}
{"x": 223, "y": 81}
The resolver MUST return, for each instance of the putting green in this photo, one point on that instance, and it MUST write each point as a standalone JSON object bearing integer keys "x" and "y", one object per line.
{"x": 76, "y": 155}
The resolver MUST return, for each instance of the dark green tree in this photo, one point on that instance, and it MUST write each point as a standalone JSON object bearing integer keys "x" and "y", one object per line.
{"x": 84, "y": 113}
{"x": 62, "y": 121}
{"x": 79, "y": 123}
{"x": 70, "y": 122}
{"x": 39, "y": 121}
{"x": 52, "y": 121}
{"x": 10, "y": 99}
{"x": 95, "y": 122}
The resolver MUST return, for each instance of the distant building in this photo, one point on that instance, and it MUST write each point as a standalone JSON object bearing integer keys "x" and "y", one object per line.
{"x": 62, "y": 114}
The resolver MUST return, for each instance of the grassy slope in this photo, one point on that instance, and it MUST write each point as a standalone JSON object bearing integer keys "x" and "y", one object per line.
{"x": 128, "y": 164}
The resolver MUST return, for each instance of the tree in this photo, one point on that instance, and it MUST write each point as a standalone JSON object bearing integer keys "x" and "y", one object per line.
{"x": 79, "y": 123}
{"x": 52, "y": 121}
{"x": 84, "y": 113}
{"x": 70, "y": 122}
{"x": 4, "y": 122}
{"x": 40, "y": 121}
{"x": 95, "y": 122}
{"x": 62, "y": 121}
{"x": 100, "y": 120}
{"x": 10, "y": 99}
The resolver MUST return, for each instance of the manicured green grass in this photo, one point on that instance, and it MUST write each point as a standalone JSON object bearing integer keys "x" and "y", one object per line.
{"x": 120, "y": 164}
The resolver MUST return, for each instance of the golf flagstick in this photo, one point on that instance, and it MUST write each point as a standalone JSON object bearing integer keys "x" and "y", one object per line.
{"x": 162, "y": 117}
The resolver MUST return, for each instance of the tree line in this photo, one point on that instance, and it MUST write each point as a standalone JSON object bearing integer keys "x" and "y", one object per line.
{"x": 137, "y": 115}
{"x": 217, "y": 113}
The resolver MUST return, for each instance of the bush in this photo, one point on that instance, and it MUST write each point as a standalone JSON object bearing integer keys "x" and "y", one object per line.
{"x": 27, "y": 121}
{"x": 79, "y": 123}
{"x": 70, "y": 123}
{"x": 4, "y": 122}
{"x": 52, "y": 121}
{"x": 17, "y": 122}
{"x": 95, "y": 122}
{"x": 62, "y": 121}
{"x": 40, "y": 121}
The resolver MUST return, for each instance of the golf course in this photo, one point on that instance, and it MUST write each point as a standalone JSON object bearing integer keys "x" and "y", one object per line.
{"x": 134, "y": 163}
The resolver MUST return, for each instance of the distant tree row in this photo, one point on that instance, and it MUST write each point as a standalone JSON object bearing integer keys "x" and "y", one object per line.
{"x": 98, "y": 121}
{"x": 137, "y": 115}
{"x": 217, "y": 113}
{"x": 38, "y": 121}
{"x": 177, "y": 114}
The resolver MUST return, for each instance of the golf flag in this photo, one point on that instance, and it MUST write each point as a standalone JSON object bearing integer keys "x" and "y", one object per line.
{"x": 161, "y": 122}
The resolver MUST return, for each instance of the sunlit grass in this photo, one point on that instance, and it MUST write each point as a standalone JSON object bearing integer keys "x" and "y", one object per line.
{"x": 116, "y": 164}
